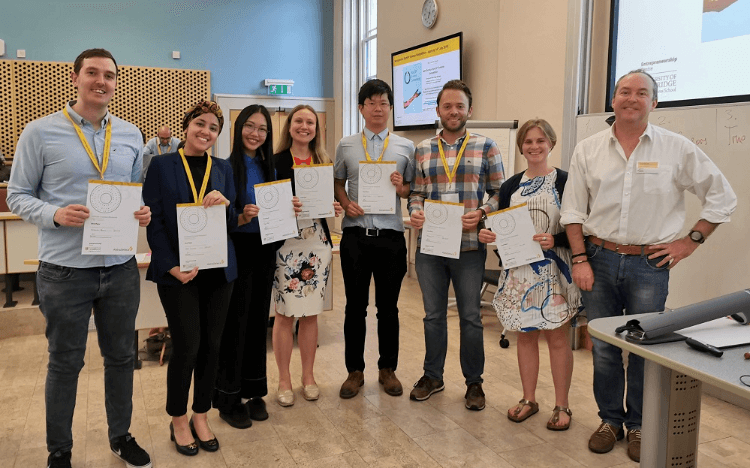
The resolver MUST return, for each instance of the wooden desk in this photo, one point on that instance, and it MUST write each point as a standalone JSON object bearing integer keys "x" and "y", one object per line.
{"x": 20, "y": 242}
{"x": 672, "y": 390}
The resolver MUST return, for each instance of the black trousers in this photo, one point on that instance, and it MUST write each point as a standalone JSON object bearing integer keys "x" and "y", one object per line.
{"x": 383, "y": 258}
{"x": 242, "y": 361}
{"x": 195, "y": 314}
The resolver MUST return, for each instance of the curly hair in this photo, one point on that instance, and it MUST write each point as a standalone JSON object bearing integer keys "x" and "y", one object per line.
{"x": 203, "y": 107}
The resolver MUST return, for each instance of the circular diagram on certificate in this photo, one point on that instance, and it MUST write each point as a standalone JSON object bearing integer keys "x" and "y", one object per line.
{"x": 193, "y": 219}
{"x": 267, "y": 197}
{"x": 436, "y": 214}
{"x": 503, "y": 224}
{"x": 370, "y": 173}
{"x": 307, "y": 178}
{"x": 105, "y": 198}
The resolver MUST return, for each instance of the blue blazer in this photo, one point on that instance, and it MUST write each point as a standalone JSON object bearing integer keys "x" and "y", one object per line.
{"x": 165, "y": 187}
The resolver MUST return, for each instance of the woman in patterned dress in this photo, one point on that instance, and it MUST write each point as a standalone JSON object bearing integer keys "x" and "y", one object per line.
{"x": 540, "y": 296}
{"x": 303, "y": 263}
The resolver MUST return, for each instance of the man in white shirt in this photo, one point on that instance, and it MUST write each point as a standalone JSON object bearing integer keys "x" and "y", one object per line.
{"x": 162, "y": 143}
{"x": 623, "y": 211}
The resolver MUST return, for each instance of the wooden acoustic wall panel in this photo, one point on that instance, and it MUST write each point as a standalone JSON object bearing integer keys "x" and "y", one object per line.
{"x": 39, "y": 89}
{"x": 147, "y": 97}
{"x": 153, "y": 97}
{"x": 7, "y": 132}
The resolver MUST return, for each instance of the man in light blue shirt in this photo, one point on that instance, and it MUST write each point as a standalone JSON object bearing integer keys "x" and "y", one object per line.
{"x": 162, "y": 143}
{"x": 55, "y": 158}
{"x": 372, "y": 245}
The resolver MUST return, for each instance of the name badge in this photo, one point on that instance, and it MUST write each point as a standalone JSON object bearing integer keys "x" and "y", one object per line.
{"x": 449, "y": 197}
{"x": 647, "y": 167}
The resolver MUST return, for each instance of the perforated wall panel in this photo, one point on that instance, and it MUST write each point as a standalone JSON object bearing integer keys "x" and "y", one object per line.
{"x": 147, "y": 97}
{"x": 7, "y": 128}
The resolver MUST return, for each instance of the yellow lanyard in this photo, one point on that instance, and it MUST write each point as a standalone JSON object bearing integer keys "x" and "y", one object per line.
{"x": 196, "y": 198}
{"x": 448, "y": 172}
{"x": 87, "y": 147}
{"x": 158, "y": 148}
{"x": 364, "y": 146}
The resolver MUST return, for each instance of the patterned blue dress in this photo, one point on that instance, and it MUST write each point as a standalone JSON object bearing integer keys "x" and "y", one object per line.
{"x": 542, "y": 295}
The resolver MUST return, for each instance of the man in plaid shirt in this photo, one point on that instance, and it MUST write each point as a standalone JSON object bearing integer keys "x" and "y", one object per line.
{"x": 455, "y": 166}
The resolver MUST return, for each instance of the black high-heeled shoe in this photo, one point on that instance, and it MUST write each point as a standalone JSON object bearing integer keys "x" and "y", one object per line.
{"x": 207, "y": 445}
{"x": 189, "y": 449}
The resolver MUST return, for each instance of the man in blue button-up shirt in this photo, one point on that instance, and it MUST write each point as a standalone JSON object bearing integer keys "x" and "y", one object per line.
{"x": 55, "y": 158}
{"x": 373, "y": 245}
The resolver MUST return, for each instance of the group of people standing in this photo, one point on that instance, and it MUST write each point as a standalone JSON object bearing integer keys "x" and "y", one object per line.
{"x": 608, "y": 245}
{"x": 218, "y": 317}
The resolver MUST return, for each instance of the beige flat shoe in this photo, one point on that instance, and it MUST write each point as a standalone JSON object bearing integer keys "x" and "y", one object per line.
{"x": 285, "y": 397}
{"x": 310, "y": 392}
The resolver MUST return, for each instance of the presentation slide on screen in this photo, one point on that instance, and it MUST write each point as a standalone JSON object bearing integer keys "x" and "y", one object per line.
{"x": 695, "y": 49}
{"x": 418, "y": 77}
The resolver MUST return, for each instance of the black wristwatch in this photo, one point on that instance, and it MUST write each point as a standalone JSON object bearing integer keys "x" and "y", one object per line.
{"x": 696, "y": 236}
{"x": 484, "y": 214}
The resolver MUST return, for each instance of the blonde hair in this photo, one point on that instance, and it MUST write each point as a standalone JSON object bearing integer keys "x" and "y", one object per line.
{"x": 542, "y": 125}
{"x": 319, "y": 154}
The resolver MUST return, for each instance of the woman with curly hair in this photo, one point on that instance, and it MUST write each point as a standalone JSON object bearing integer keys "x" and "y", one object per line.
{"x": 303, "y": 263}
{"x": 195, "y": 302}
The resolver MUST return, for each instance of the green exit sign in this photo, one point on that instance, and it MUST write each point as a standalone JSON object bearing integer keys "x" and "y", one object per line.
{"x": 280, "y": 90}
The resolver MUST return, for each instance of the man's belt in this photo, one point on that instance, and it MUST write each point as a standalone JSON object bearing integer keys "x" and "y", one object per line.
{"x": 374, "y": 232}
{"x": 622, "y": 249}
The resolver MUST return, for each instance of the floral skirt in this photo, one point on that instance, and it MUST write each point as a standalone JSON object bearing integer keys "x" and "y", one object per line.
{"x": 540, "y": 296}
{"x": 303, "y": 265}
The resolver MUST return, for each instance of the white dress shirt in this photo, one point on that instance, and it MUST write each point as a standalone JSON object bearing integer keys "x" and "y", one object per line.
{"x": 641, "y": 200}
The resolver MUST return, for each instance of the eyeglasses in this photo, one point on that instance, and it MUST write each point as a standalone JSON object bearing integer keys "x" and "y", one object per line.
{"x": 382, "y": 105}
{"x": 262, "y": 131}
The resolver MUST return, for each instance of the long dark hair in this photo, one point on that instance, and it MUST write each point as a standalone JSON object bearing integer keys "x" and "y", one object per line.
{"x": 237, "y": 156}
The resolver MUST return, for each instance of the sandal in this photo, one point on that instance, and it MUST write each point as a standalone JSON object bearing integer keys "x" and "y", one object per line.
{"x": 514, "y": 416}
{"x": 552, "y": 423}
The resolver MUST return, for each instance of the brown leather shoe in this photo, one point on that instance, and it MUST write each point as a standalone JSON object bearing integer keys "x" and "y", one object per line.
{"x": 350, "y": 387}
{"x": 604, "y": 439}
{"x": 634, "y": 445}
{"x": 474, "y": 397}
{"x": 390, "y": 382}
{"x": 425, "y": 387}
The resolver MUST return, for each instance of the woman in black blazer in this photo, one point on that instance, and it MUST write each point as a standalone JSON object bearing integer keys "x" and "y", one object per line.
{"x": 195, "y": 302}
{"x": 302, "y": 263}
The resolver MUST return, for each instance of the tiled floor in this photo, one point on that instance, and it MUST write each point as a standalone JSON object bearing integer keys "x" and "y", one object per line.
{"x": 372, "y": 429}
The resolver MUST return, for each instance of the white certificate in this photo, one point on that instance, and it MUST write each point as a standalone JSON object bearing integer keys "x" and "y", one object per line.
{"x": 376, "y": 194}
{"x": 111, "y": 228}
{"x": 314, "y": 188}
{"x": 442, "y": 230}
{"x": 515, "y": 229}
{"x": 202, "y": 236}
{"x": 276, "y": 216}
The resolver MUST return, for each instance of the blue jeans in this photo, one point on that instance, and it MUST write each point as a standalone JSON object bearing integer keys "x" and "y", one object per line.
{"x": 66, "y": 298}
{"x": 435, "y": 274}
{"x": 634, "y": 284}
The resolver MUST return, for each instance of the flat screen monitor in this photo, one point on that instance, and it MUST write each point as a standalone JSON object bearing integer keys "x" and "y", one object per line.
{"x": 419, "y": 74}
{"x": 696, "y": 50}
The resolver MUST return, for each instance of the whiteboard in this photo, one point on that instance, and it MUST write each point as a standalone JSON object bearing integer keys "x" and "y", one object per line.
{"x": 503, "y": 133}
{"x": 721, "y": 265}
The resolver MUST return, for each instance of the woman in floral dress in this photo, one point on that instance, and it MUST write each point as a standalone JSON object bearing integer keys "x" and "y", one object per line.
{"x": 303, "y": 263}
{"x": 542, "y": 295}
